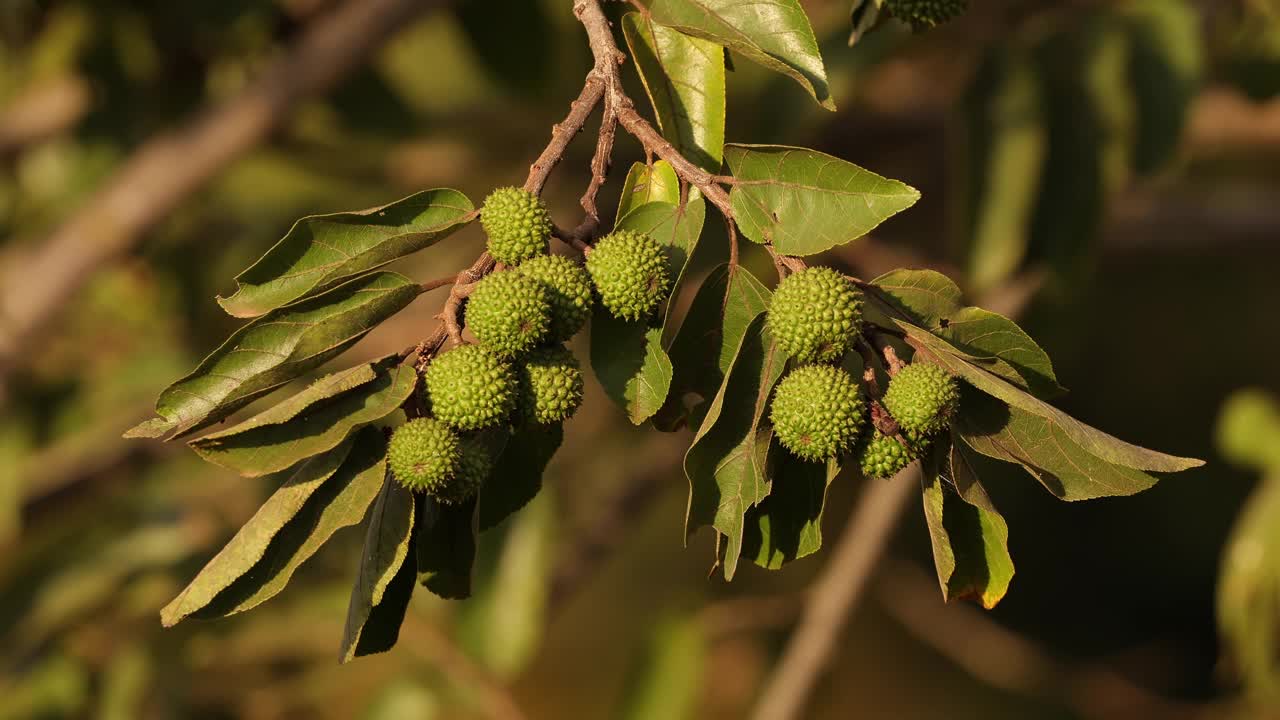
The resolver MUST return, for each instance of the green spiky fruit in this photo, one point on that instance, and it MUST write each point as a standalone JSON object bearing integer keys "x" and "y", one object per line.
{"x": 470, "y": 388}
{"x": 629, "y": 270}
{"x": 517, "y": 223}
{"x": 924, "y": 14}
{"x": 550, "y": 386}
{"x": 817, "y": 412}
{"x": 424, "y": 455}
{"x": 815, "y": 315}
{"x": 509, "y": 313}
{"x": 882, "y": 456}
{"x": 474, "y": 465}
{"x": 568, "y": 288}
{"x": 922, "y": 398}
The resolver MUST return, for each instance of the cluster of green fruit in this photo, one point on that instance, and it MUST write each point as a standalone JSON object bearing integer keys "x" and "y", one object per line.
{"x": 818, "y": 410}
{"x": 924, "y": 14}
{"x": 519, "y": 373}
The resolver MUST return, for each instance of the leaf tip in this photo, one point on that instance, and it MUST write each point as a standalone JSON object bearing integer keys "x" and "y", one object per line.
{"x": 150, "y": 429}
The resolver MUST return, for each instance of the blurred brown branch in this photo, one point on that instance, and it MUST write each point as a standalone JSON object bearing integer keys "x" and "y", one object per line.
{"x": 42, "y": 111}
{"x": 167, "y": 169}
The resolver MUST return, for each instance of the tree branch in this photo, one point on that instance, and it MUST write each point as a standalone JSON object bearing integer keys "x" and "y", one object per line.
{"x": 833, "y": 595}
{"x": 168, "y": 169}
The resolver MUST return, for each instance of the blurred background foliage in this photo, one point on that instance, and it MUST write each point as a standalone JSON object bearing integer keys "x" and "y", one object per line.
{"x": 1107, "y": 168}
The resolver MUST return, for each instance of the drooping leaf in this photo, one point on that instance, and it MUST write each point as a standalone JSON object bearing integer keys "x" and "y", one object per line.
{"x": 646, "y": 184}
{"x": 1044, "y": 450}
{"x": 774, "y": 34}
{"x": 314, "y": 420}
{"x": 668, "y": 681}
{"x": 1055, "y": 425}
{"x": 327, "y": 493}
{"x": 1003, "y": 159}
{"x": 787, "y": 525}
{"x": 628, "y": 357}
{"x": 727, "y": 464}
{"x": 323, "y": 250}
{"x": 970, "y": 538}
{"x": 703, "y": 349}
{"x": 446, "y": 547}
{"x": 932, "y": 302}
{"x": 274, "y": 349}
{"x": 517, "y": 476}
{"x": 684, "y": 77}
{"x": 384, "y": 583}
{"x": 805, "y": 202}
{"x": 1165, "y": 66}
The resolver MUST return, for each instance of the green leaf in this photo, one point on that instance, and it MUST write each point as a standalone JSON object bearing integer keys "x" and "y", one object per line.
{"x": 327, "y": 493}
{"x": 628, "y": 357}
{"x": 1044, "y": 450}
{"x": 274, "y": 349}
{"x": 517, "y": 476}
{"x": 323, "y": 250}
{"x": 727, "y": 464}
{"x": 1248, "y": 598}
{"x": 668, "y": 682}
{"x": 1048, "y": 424}
{"x": 446, "y": 547}
{"x": 646, "y": 184}
{"x": 787, "y": 525}
{"x": 805, "y": 202}
{"x": 970, "y": 538}
{"x": 313, "y": 421}
{"x": 1249, "y": 429}
{"x": 703, "y": 349}
{"x": 684, "y": 77}
{"x": 1003, "y": 160}
{"x": 1166, "y": 62}
{"x": 384, "y": 583}
{"x": 933, "y": 302}
{"x": 775, "y": 34}
{"x": 863, "y": 18}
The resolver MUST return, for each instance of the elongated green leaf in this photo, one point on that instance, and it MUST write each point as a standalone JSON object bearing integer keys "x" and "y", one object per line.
{"x": 274, "y": 349}
{"x": 775, "y": 34}
{"x": 446, "y": 547}
{"x": 727, "y": 464}
{"x": 312, "y": 421}
{"x": 1043, "y": 448}
{"x": 628, "y": 357}
{"x": 684, "y": 77}
{"x": 646, "y": 184}
{"x": 925, "y": 296}
{"x": 1004, "y": 158}
{"x": 1166, "y": 61}
{"x": 805, "y": 202}
{"x": 517, "y": 476}
{"x": 328, "y": 493}
{"x": 787, "y": 525}
{"x": 323, "y": 250}
{"x": 385, "y": 580}
{"x": 703, "y": 349}
{"x": 970, "y": 539}
{"x": 1056, "y": 425}
{"x": 1248, "y": 597}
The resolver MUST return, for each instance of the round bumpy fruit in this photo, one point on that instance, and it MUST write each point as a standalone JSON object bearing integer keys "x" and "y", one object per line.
{"x": 517, "y": 223}
{"x": 568, "y": 288}
{"x": 470, "y": 388}
{"x": 922, "y": 398}
{"x": 550, "y": 386}
{"x": 629, "y": 270}
{"x": 509, "y": 313}
{"x": 923, "y": 14}
{"x": 815, "y": 315}
{"x": 882, "y": 456}
{"x": 424, "y": 455}
{"x": 817, "y": 412}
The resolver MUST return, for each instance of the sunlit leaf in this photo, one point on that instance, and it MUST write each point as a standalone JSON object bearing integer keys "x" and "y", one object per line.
{"x": 805, "y": 202}
{"x": 646, "y": 184}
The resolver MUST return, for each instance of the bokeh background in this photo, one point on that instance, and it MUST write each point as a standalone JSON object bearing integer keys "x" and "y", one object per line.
{"x": 1107, "y": 171}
